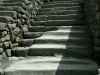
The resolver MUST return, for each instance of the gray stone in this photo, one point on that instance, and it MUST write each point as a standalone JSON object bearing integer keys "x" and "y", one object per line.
{"x": 97, "y": 49}
{"x": 1, "y": 51}
{"x": 4, "y": 33}
{"x": 10, "y": 1}
{"x": 33, "y": 34}
{"x": 17, "y": 31}
{"x": 16, "y": 58}
{"x": 26, "y": 42}
{"x": 41, "y": 18}
{"x": 22, "y": 51}
{"x": 8, "y": 52}
{"x": 6, "y": 19}
{"x": 1, "y": 71}
{"x": 3, "y": 26}
{"x": 97, "y": 33}
{"x": 0, "y": 58}
{"x": 1, "y": 45}
{"x": 13, "y": 26}
{"x": 49, "y": 65}
{"x": 12, "y": 8}
{"x": 97, "y": 42}
{"x": 14, "y": 4}
{"x": 6, "y": 38}
{"x": 7, "y": 45}
{"x": 9, "y": 13}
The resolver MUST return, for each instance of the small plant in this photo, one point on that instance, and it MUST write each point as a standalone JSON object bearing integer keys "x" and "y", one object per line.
{"x": 4, "y": 58}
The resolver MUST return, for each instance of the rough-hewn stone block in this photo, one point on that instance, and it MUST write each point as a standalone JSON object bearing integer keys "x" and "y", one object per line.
{"x": 22, "y": 51}
{"x": 3, "y": 26}
{"x": 9, "y": 13}
{"x": 1, "y": 51}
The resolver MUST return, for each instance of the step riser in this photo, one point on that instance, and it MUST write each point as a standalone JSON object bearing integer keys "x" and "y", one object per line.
{"x": 61, "y": 8}
{"x": 72, "y": 52}
{"x": 57, "y": 2}
{"x": 49, "y": 72}
{"x": 58, "y": 34}
{"x": 45, "y": 18}
{"x": 60, "y": 12}
{"x": 9, "y": 13}
{"x": 59, "y": 23}
{"x": 13, "y": 4}
{"x": 67, "y": 42}
{"x": 52, "y": 28}
{"x": 62, "y": 5}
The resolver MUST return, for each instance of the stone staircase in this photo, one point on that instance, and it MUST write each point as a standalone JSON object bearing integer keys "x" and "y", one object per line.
{"x": 58, "y": 43}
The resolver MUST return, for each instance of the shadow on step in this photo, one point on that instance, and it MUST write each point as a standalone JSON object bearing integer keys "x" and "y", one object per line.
{"x": 76, "y": 60}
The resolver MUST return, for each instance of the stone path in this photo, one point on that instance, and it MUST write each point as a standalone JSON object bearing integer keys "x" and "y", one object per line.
{"x": 58, "y": 42}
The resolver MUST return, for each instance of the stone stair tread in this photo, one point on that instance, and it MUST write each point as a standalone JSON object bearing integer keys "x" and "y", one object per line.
{"x": 21, "y": 4}
{"x": 11, "y": 8}
{"x": 9, "y": 1}
{"x": 53, "y": 28}
{"x": 62, "y": 49}
{"x": 62, "y": 8}
{"x": 62, "y": 2}
{"x": 6, "y": 19}
{"x": 55, "y": 46}
{"x": 28, "y": 66}
{"x": 59, "y": 17}
{"x": 64, "y": 41}
{"x": 64, "y": 12}
{"x": 53, "y": 59}
{"x": 57, "y": 35}
{"x": 62, "y": 5}
{"x": 9, "y": 13}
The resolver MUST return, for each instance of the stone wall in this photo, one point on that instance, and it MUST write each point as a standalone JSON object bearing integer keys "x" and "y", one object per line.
{"x": 92, "y": 12}
{"x": 15, "y": 17}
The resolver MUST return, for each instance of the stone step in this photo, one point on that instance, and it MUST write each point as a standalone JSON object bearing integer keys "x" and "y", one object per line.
{"x": 20, "y": 51}
{"x": 52, "y": 65}
{"x": 59, "y": 33}
{"x": 52, "y": 59}
{"x": 52, "y": 28}
{"x": 10, "y": 1}
{"x": 62, "y": 2}
{"x": 6, "y": 19}
{"x": 26, "y": 42}
{"x": 29, "y": 35}
{"x": 14, "y": 4}
{"x": 58, "y": 23}
{"x": 61, "y": 8}
{"x": 63, "y": 49}
{"x": 67, "y": 41}
{"x": 12, "y": 14}
{"x": 59, "y": 17}
{"x": 61, "y": 5}
{"x": 12, "y": 8}
{"x": 63, "y": 12}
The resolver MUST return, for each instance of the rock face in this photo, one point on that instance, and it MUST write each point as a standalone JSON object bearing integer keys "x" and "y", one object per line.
{"x": 92, "y": 12}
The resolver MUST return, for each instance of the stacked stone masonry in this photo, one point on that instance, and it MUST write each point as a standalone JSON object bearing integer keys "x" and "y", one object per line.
{"x": 53, "y": 41}
{"x": 15, "y": 17}
{"x": 92, "y": 12}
